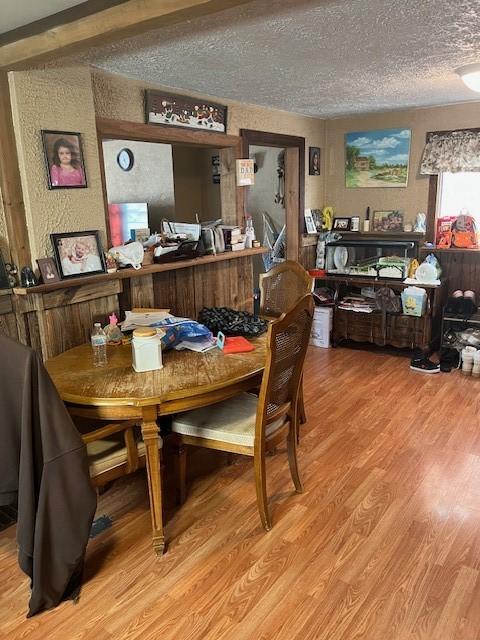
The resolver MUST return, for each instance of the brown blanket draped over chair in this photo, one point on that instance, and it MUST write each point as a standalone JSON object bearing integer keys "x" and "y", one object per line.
{"x": 44, "y": 468}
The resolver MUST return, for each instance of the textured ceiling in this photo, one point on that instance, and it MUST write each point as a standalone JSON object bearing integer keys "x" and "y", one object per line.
{"x": 318, "y": 58}
{"x": 16, "y": 13}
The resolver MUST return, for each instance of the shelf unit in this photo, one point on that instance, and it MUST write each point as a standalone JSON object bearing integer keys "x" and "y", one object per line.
{"x": 448, "y": 320}
{"x": 394, "y": 329}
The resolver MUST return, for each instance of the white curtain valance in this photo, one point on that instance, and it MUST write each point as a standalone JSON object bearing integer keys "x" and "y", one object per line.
{"x": 453, "y": 151}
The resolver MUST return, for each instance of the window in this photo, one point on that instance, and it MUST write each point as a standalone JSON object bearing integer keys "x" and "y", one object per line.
{"x": 457, "y": 191}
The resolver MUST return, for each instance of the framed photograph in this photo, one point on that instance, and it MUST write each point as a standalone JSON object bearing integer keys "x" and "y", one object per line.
{"x": 309, "y": 221}
{"x": 355, "y": 223}
{"x": 377, "y": 158}
{"x": 341, "y": 224}
{"x": 388, "y": 221}
{"x": 78, "y": 253}
{"x": 48, "y": 270}
{"x": 182, "y": 111}
{"x": 313, "y": 161}
{"x": 64, "y": 161}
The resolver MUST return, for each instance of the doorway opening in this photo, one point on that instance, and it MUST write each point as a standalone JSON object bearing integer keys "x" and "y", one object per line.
{"x": 282, "y": 197}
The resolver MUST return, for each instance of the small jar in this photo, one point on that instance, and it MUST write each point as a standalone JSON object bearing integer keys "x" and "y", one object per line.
{"x": 146, "y": 350}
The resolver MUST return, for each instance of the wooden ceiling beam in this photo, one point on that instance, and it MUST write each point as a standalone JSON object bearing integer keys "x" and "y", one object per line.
{"x": 128, "y": 19}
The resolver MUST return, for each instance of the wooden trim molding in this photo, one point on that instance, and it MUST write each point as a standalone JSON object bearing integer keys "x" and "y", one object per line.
{"x": 294, "y": 157}
{"x": 229, "y": 147}
{"x": 431, "y": 209}
{"x": 124, "y": 130}
{"x": 104, "y": 27}
{"x": 128, "y": 273}
{"x": 10, "y": 182}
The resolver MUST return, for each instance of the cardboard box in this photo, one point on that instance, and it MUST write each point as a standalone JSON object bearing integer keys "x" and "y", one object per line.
{"x": 322, "y": 327}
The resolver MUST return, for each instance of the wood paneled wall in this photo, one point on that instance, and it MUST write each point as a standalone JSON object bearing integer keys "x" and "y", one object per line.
{"x": 54, "y": 321}
{"x": 8, "y": 320}
{"x": 461, "y": 269}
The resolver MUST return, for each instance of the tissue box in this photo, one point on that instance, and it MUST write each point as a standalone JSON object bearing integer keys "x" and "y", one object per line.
{"x": 414, "y": 301}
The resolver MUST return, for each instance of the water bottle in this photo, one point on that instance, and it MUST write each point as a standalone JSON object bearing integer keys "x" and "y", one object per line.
{"x": 99, "y": 346}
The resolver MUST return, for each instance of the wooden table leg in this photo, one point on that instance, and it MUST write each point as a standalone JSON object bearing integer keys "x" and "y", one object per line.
{"x": 152, "y": 440}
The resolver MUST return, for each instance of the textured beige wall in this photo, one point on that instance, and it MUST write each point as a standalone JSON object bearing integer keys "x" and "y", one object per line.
{"x": 414, "y": 197}
{"x": 122, "y": 98}
{"x": 150, "y": 180}
{"x": 59, "y": 99}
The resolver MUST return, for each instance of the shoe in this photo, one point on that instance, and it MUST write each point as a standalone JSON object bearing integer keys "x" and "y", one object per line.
{"x": 423, "y": 364}
{"x": 455, "y": 303}
{"x": 469, "y": 306}
{"x": 449, "y": 359}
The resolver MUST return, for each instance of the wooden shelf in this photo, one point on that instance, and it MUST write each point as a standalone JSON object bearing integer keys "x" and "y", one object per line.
{"x": 401, "y": 235}
{"x": 371, "y": 281}
{"x": 450, "y": 250}
{"x": 122, "y": 274}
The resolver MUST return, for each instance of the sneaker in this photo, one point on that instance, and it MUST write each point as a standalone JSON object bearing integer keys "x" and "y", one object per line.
{"x": 423, "y": 364}
{"x": 449, "y": 359}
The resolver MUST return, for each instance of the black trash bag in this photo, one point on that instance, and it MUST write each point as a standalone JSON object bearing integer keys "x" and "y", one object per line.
{"x": 232, "y": 322}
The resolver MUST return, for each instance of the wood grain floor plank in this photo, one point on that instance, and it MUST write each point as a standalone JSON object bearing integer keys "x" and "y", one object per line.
{"x": 384, "y": 544}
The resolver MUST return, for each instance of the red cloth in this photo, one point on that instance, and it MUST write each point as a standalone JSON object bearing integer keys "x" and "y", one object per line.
{"x": 237, "y": 344}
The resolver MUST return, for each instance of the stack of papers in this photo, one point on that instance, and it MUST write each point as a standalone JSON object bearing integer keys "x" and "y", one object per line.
{"x": 200, "y": 346}
{"x": 143, "y": 319}
{"x": 359, "y": 304}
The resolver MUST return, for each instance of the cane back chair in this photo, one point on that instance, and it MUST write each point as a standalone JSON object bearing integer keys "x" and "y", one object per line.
{"x": 251, "y": 425}
{"x": 280, "y": 289}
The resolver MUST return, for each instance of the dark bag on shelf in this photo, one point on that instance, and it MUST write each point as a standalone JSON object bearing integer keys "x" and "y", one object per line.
{"x": 232, "y": 322}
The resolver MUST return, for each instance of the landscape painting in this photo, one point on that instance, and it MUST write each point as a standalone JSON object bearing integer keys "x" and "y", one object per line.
{"x": 377, "y": 158}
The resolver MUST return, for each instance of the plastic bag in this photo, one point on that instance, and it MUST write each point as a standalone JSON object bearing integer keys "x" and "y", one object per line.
{"x": 181, "y": 329}
{"x": 129, "y": 254}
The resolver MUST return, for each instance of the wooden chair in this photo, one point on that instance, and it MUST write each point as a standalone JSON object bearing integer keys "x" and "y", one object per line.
{"x": 114, "y": 450}
{"x": 280, "y": 289}
{"x": 248, "y": 424}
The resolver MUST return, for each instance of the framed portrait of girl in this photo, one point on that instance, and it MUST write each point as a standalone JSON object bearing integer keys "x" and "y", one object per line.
{"x": 64, "y": 161}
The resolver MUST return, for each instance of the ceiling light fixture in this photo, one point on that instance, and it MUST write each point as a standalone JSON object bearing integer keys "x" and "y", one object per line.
{"x": 470, "y": 74}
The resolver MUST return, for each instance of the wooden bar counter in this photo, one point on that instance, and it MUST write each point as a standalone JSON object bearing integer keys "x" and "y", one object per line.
{"x": 55, "y": 317}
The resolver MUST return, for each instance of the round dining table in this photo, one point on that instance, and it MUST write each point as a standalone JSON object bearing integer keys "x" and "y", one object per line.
{"x": 188, "y": 380}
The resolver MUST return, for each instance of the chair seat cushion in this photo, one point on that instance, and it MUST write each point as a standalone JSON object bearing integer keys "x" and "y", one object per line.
{"x": 107, "y": 454}
{"x": 231, "y": 421}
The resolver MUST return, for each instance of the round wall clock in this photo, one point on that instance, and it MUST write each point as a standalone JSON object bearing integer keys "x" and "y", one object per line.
{"x": 125, "y": 159}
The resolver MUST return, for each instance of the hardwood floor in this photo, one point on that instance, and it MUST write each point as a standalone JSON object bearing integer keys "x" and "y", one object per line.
{"x": 384, "y": 544}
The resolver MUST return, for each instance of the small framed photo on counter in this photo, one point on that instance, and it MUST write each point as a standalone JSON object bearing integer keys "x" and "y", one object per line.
{"x": 78, "y": 253}
{"x": 309, "y": 221}
{"x": 355, "y": 223}
{"x": 341, "y": 224}
{"x": 48, "y": 270}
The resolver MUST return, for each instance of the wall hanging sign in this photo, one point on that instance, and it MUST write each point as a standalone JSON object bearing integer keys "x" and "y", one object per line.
{"x": 245, "y": 172}
{"x": 377, "y": 158}
{"x": 64, "y": 160}
{"x": 78, "y": 253}
{"x": 216, "y": 169}
{"x": 313, "y": 161}
{"x": 182, "y": 111}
